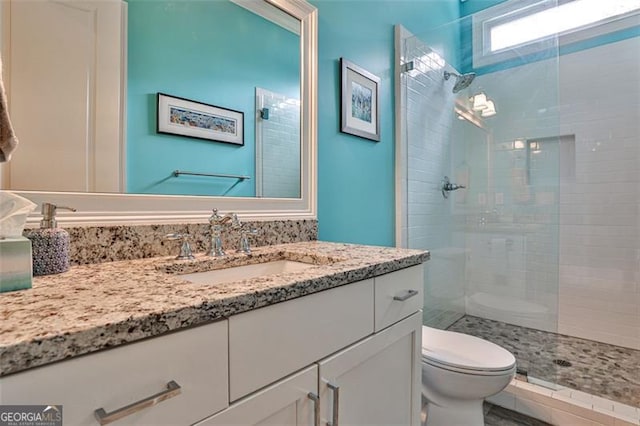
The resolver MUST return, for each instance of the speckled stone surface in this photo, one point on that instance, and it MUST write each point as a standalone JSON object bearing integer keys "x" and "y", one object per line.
{"x": 93, "y": 307}
{"x": 597, "y": 368}
{"x": 113, "y": 243}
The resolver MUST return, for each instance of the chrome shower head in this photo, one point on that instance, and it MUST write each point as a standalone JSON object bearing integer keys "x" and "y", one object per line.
{"x": 462, "y": 81}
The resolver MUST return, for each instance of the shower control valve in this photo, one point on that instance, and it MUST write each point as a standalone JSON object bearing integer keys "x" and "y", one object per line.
{"x": 447, "y": 187}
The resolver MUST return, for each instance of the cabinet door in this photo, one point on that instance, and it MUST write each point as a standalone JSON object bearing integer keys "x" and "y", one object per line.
{"x": 270, "y": 343}
{"x": 286, "y": 403}
{"x": 377, "y": 381}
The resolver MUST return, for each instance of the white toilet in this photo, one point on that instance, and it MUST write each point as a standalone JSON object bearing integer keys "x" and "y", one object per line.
{"x": 458, "y": 372}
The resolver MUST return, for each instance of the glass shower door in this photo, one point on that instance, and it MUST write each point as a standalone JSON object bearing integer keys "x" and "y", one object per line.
{"x": 494, "y": 245}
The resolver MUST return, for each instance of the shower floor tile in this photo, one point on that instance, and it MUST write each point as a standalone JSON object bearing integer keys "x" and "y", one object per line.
{"x": 599, "y": 369}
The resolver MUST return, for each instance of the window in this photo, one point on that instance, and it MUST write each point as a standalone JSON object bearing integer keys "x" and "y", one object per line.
{"x": 521, "y": 27}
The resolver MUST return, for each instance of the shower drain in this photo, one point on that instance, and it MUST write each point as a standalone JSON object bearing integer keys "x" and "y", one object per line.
{"x": 562, "y": 362}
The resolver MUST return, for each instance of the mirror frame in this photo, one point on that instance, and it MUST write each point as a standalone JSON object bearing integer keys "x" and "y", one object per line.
{"x": 100, "y": 209}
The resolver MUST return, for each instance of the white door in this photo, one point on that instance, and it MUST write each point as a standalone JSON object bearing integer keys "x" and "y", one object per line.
{"x": 290, "y": 402}
{"x": 65, "y": 72}
{"x": 375, "y": 382}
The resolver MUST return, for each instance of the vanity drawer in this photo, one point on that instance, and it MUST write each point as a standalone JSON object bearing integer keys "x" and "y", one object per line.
{"x": 195, "y": 359}
{"x": 269, "y": 343}
{"x": 398, "y": 295}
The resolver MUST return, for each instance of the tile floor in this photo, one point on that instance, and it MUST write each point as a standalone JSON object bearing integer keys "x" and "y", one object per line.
{"x": 599, "y": 369}
{"x": 498, "y": 416}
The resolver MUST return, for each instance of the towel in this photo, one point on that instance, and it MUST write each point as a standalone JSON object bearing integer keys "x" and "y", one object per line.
{"x": 8, "y": 140}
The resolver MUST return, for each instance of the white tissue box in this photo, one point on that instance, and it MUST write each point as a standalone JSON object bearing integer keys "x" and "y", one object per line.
{"x": 15, "y": 264}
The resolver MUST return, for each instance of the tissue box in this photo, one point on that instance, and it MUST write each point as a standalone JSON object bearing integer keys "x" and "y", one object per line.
{"x": 15, "y": 264}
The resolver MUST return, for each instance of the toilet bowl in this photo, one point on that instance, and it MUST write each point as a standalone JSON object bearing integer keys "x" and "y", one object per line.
{"x": 458, "y": 372}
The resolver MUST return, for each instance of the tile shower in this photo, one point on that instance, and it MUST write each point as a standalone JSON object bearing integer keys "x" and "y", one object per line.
{"x": 277, "y": 145}
{"x": 544, "y": 243}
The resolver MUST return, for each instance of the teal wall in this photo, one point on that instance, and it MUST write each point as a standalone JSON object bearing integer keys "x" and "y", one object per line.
{"x": 356, "y": 177}
{"x": 469, "y": 7}
{"x": 205, "y": 51}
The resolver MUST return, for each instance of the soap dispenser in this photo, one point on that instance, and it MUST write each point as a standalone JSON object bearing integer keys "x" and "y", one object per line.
{"x": 50, "y": 244}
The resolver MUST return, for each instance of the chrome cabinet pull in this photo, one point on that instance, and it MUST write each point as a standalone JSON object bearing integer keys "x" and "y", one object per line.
{"x": 316, "y": 408}
{"x": 407, "y": 294}
{"x": 173, "y": 389}
{"x": 336, "y": 405}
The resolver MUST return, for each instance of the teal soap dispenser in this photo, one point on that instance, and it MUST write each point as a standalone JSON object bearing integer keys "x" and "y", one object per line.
{"x": 50, "y": 244}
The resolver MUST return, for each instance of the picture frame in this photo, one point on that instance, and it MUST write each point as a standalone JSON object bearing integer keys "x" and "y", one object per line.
{"x": 186, "y": 117}
{"x": 359, "y": 101}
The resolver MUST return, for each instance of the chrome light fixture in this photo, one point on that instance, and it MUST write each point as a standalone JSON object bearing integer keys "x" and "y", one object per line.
{"x": 490, "y": 109}
{"x": 479, "y": 101}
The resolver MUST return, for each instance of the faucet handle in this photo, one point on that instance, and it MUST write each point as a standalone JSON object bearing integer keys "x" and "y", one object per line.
{"x": 185, "y": 248}
{"x": 235, "y": 222}
{"x": 245, "y": 247}
{"x": 252, "y": 231}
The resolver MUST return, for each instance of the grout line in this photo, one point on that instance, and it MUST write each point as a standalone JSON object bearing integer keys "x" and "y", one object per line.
{"x": 581, "y": 406}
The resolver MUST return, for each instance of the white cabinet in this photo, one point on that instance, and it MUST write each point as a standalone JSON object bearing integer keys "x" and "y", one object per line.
{"x": 194, "y": 359}
{"x": 269, "y": 343}
{"x": 398, "y": 295}
{"x": 376, "y": 381}
{"x": 348, "y": 356}
{"x": 290, "y": 402}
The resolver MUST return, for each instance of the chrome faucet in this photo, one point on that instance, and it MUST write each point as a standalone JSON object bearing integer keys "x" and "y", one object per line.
{"x": 185, "y": 248}
{"x": 216, "y": 223}
{"x": 244, "y": 240}
{"x": 243, "y": 245}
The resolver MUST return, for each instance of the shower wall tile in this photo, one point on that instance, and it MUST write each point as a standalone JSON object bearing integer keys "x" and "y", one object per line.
{"x": 428, "y": 126}
{"x": 592, "y": 219}
{"x": 583, "y": 260}
{"x": 599, "y": 232}
{"x": 279, "y": 155}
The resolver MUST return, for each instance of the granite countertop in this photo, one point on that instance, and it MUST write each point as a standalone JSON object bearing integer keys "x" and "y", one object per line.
{"x": 93, "y": 307}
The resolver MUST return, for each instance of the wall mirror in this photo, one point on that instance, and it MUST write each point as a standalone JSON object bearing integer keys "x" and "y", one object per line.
{"x": 254, "y": 57}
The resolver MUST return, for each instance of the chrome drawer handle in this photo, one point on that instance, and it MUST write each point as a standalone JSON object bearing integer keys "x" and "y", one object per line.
{"x": 316, "y": 408}
{"x": 407, "y": 294}
{"x": 173, "y": 389}
{"x": 336, "y": 405}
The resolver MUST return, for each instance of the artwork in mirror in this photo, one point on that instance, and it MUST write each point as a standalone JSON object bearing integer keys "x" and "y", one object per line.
{"x": 215, "y": 52}
{"x": 184, "y": 117}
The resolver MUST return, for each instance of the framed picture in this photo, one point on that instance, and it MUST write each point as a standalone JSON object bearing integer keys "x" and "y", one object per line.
{"x": 359, "y": 95}
{"x": 179, "y": 116}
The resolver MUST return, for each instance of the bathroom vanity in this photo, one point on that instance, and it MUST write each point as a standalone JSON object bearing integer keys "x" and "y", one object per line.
{"x": 133, "y": 342}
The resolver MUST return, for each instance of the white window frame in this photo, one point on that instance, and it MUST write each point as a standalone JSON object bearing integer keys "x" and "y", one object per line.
{"x": 484, "y": 21}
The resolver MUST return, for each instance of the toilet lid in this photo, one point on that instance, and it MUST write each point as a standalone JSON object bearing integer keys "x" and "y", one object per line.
{"x": 462, "y": 351}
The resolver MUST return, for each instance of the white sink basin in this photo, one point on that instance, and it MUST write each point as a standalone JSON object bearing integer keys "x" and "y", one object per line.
{"x": 244, "y": 272}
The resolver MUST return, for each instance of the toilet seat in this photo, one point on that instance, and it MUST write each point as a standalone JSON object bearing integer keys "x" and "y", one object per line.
{"x": 464, "y": 353}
